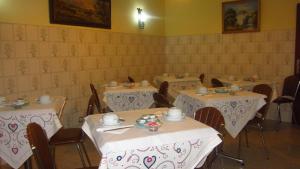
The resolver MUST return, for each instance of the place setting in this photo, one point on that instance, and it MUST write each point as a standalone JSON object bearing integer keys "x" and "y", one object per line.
{"x": 44, "y": 99}
{"x": 112, "y": 123}
{"x": 174, "y": 115}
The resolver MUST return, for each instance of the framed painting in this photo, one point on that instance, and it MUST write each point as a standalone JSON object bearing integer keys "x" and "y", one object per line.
{"x": 92, "y": 13}
{"x": 241, "y": 16}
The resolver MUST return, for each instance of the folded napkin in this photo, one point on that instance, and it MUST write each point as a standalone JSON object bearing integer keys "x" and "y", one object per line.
{"x": 115, "y": 129}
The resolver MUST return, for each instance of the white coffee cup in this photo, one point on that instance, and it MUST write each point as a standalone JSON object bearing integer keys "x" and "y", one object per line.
{"x": 174, "y": 113}
{"x": 202, "y": 90}
{"x": 110, "y": 119}
{"x": 45, "y": 99}
{"x": 113, "y": 84}
{"x": 145, "y": 83}
{"x": 235, "y": 87}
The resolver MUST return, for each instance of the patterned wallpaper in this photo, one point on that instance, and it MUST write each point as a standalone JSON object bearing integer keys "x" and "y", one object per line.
{"x": 57, "y": 60}
{"x": 268, "y": 54}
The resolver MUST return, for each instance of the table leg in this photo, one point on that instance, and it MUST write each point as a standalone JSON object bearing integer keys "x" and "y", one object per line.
{"x": 28, "y": 164}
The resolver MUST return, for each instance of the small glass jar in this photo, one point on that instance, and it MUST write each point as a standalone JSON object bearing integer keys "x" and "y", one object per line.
{"x": 153, "y": 128}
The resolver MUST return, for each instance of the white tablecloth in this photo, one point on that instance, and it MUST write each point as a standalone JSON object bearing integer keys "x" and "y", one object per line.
{"x": 122, "y": 98}
{"x": 237, "y": 109}
{"x": 182, "y": 144}
{"x": 248, "y": 85}
{"x": 15, "y": 149}
{"x": 177, "y": 82}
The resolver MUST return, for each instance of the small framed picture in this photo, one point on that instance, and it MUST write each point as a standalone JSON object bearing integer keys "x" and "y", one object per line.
{"x": 241, "y": 16}
{"x": 92, "y": 13}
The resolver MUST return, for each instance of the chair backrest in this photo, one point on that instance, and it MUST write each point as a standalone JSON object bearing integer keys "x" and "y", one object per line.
{"x": 161, "y": 101}
{"x": 130, "y": 79}
{"x": 201, "y": 78}
{"x": 290, "y": 85}
{"x": 210, "y": 116}
{"x": 39, "y": 144}
{"x": 163, "y": 89}
{"x": 265, "y": 90}
{"x": 216, "y": 83}
{"x": 97, "y": 100}
{"x": 91, "y": 105}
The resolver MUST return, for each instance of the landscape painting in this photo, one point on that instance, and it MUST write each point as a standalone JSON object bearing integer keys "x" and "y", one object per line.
{"x": 93, "y": 13}
{"x": 241, "y": 16}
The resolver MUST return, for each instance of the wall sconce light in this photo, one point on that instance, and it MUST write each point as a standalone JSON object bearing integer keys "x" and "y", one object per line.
{"x": 141, "y": 18}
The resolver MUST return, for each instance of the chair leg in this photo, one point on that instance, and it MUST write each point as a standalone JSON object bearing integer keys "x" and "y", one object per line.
{"x": 86, "y": 155}
{"x": 222, "y": 154}
{"x": 52, "y": 148}
{"x": 246, "y": 137}
{"x": 263, "y": 140}
{"x": 240, "y": 145}
{"x": 279, "y": 117}
{"x": 80, "y": 154}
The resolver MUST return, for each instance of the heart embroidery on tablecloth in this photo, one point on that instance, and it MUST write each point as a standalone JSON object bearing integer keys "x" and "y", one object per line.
{"x": 13, "y": 127}
{"x": 131, "y": 99}
{"x": 149, "y": 161}
{"x": 233, "y": 104}
{"x": 15, "y": 150}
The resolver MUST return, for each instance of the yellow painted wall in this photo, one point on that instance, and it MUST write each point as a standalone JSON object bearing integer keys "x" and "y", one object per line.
{"x": 184, "y": 17}
{"x": 123, "y": 11}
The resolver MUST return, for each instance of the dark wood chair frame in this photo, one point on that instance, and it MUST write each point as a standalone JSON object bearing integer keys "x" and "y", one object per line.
{"x": 73, "y": 136}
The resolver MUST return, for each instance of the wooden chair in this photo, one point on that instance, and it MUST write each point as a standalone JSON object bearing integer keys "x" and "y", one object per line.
{"x": 213, "y": 118}
{"x": 216, "y": 83}
{"x": 257, "y": 121}
{"x": 201, "y": 78}
{"x": 73, "y": 136}
{"x": 130, "y": 79}
{"x": 161, "y": 101}
{"x": 161, "y": 98}
{"x": 40, "y": 147}
{"x": 97, "y": 100}
{"x": 163, "y": 88}
{"x": 290, "y": 88}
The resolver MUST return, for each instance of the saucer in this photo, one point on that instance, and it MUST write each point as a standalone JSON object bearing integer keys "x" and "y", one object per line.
{"x": 221, "y": 91}
{"x": 105, "y": 125}
{"x": 19, "y": 105}
{"x": 168, "y": 118}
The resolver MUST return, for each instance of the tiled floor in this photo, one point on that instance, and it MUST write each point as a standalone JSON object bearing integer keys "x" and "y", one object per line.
{"x": 284, "y": 148}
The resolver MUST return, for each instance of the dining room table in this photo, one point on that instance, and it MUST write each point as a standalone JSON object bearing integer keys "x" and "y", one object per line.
{"x": 14, "y": 118}
{"x": 176, "y": 81}
{"x": 184, "y": 143}
{"x": 249, "y": 83}
{"x": 128, "y": 96}
{"x": 237, "y": 107}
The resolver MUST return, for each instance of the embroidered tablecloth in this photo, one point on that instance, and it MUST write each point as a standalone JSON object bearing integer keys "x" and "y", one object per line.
{"x": 184, "y": 144}
{"x": 121, "y": 98}
{"x": 174, "y": 82}
{"x": 236, "y": 109}
{"x": 248, "y": 85}
{"x": 15, "y": 149}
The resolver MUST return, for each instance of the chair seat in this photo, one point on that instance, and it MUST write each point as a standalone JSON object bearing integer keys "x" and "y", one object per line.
{"x": 67, "y": 136}
{"x": 283, "y": 99}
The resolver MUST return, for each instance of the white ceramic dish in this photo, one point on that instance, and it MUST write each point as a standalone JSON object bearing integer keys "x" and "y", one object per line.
{"x": 111, "y": 124}
{"x": 168, "y": 118}
{"x": 45, "y": 101}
